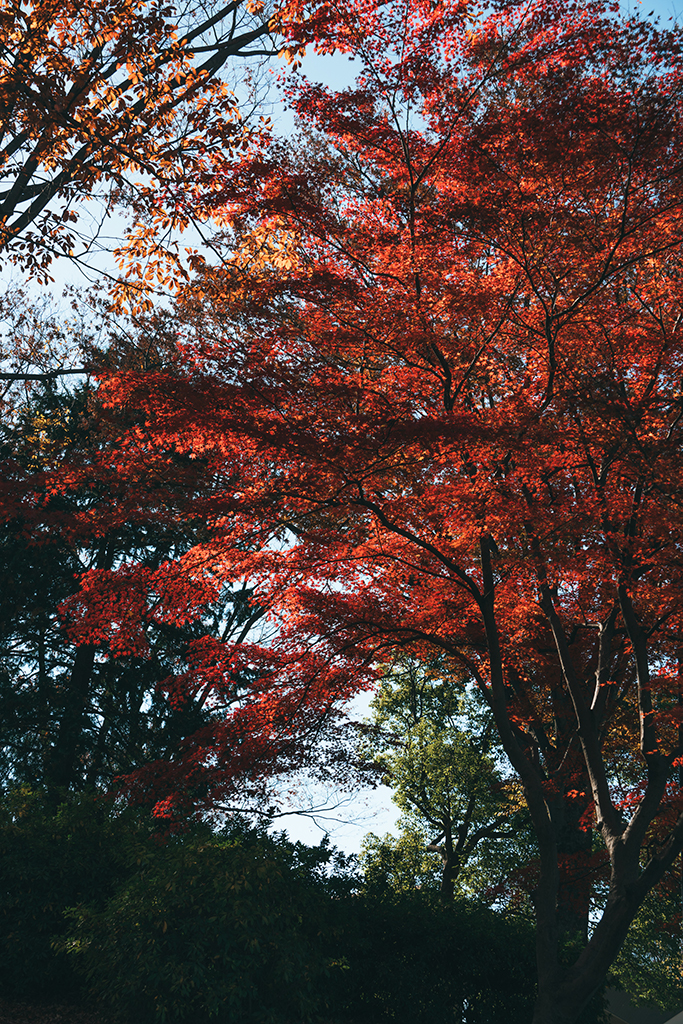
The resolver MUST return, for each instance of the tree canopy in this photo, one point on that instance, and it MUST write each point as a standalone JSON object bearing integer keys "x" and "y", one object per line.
{"x": 426, "y": 403}
{"x": 439, "y": 754}
{"x": 436, "y": 382}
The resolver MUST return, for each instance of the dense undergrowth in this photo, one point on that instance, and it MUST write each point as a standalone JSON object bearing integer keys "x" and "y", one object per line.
{"x": 237, "y": 927}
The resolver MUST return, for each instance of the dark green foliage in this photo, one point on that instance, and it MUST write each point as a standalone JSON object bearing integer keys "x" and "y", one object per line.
{"x": 411, "y": 960}
{"x": 649, "y": 964}
{"x": 227, "y": 927}
{"x": 242, "y": 928}
{"x": 49, "y": 861}
{"x": 238, "y": 927}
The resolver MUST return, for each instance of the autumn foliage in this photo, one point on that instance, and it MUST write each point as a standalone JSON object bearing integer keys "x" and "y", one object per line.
{"x": 121, "y": 103}
{"x": 429, "y": 401}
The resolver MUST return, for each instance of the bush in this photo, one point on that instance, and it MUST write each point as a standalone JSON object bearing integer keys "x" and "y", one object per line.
{"x": 51, "y": 859}
{"x": 411, "y": 960}
{"x": 238, "y": 928}
{"x": 221, "y": 927}
{"x": 246, "y": 929}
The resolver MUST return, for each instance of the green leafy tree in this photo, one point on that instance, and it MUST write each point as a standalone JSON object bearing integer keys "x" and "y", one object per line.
{"x": 650, "y": 965}
{"x": 435, "y": 746}
{"x": 400, "y": 864}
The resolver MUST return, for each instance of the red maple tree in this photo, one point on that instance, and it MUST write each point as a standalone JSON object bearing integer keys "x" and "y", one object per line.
{"x": 436, "y": 382}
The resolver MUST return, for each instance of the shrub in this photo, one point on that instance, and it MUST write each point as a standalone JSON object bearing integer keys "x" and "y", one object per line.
{"x": 221, "y": 927}
{"x": 51, "y": 859}
{"x": 411, "y": 960}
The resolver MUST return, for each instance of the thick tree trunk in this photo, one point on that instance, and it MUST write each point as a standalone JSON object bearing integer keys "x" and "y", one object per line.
{"x": 547, "y": 1011}
{"x": 564, "y": 992}
{"x": 574, "y": 851}
{"x": 451, "y": 864}
{"x": 451, "y": 869}
{"x": 563, "y": 1001}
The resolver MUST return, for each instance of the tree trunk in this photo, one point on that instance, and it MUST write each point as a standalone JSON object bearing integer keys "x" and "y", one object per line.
{"x": 62, "y": 767}
{"x": 574, "y": 850}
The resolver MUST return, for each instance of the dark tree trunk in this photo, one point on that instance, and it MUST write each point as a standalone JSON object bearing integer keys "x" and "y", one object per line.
{"x": 63, "y": 768}
{"x": 574, "y": 851}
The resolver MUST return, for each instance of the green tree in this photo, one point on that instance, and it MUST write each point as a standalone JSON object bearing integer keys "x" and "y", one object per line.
{"x": 650, "y": 965}
{"x": 436, "y": 747}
